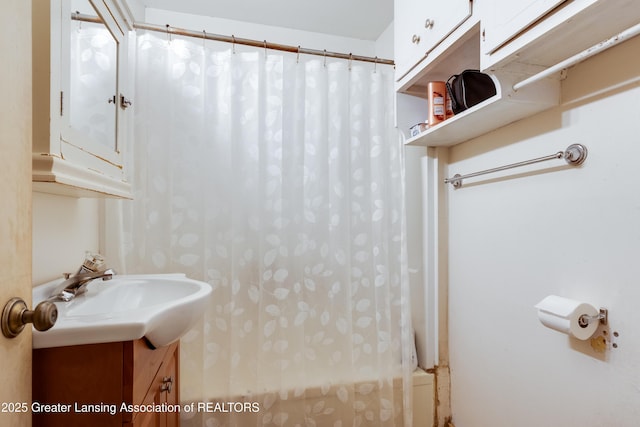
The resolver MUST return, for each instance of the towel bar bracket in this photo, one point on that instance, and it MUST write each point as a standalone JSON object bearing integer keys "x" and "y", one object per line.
{"x": 574, "y": 155}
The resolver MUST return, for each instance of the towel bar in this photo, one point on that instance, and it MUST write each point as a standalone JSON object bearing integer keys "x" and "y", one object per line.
{"x": 574, "y": 155}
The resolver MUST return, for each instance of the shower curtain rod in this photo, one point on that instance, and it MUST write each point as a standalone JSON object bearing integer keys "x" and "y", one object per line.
{"x": 167, "y": 29}
{"x": 257, "y": 43}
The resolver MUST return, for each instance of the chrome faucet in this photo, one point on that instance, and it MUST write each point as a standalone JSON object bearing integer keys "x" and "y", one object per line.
{"x": 93, "y": 268}
{"x": 77, "y": 284}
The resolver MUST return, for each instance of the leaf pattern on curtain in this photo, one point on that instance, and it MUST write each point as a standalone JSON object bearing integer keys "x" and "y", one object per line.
{"x": 280, "y": 183}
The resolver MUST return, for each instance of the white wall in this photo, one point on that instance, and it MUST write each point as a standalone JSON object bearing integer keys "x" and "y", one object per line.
{"x": 520, "y": 236}
{"x": 63, "y": 229}
{"x": 383, "y": 47}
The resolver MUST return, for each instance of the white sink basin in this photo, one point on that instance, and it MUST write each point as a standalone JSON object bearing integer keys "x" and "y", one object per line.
{"x": 160, "y": 307}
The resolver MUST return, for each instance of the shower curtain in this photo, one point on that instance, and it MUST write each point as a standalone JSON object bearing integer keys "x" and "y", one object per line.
{"x": 277, "y": 179}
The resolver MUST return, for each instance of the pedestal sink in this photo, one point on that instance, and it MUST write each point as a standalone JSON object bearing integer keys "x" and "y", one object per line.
{"x": 161, "y": 308}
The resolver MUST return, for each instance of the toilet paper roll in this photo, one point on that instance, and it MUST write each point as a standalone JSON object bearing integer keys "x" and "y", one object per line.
{"x": 563, "y": 314}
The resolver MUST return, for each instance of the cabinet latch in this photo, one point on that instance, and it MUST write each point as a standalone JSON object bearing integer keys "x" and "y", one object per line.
{"x": 125, "y": 102}
{"x": 167, "y": 384}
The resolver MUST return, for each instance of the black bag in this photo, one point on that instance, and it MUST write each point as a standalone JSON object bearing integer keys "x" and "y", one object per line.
{"x": 469, "y": 88}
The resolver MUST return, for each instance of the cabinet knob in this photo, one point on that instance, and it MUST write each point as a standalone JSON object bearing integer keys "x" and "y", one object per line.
{"x": 15, "y": 316}
{"x": 415, "y": 39}
{"x": 428, "y": 24}
{"x": 167, "y": 384}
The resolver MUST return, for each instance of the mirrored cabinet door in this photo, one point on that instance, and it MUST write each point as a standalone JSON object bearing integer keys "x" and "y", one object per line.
{"x": 93, "y": 78}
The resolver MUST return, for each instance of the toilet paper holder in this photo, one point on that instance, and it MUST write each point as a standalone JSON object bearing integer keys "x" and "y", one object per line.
{"x": 602, "y": 317}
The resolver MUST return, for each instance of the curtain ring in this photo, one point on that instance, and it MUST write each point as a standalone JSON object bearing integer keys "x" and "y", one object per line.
{"x": 325, "y": 58}
{"x": 204, "y": 38}
{"x": 265, "y": 48}
{"x": 233, "y": 44}
{"x": 168, "y": 33}
{"x": 298, "y": 55}
{"x": 79, "y": 21}
{"x": 375, "y": 65}
{"x": 350, "y": 59}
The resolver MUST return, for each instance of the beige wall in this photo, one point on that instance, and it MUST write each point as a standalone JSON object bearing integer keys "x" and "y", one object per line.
{"x": 519, "y": 236}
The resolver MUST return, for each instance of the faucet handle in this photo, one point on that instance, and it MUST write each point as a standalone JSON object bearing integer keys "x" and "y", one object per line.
{"x": 93, "y": 262}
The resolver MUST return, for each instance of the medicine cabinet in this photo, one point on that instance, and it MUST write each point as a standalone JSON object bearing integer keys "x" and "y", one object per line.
{"x": 81, "y": 90}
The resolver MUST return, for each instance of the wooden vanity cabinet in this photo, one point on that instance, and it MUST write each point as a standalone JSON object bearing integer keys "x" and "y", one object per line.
{"x": 101, "y": 378}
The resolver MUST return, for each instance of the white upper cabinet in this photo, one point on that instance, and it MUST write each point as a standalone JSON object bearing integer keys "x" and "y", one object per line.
{"x": 505, "y": 19}
{"x": 423, "y": 25}
{"x": 81, "y": 97}
{"x": 523, "y": 45}
{"x": 546, "y": 32}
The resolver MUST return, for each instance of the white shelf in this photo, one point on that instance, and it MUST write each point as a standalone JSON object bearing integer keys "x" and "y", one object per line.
{"x": 54, "y": 175}
{"x": 507, "y": 106}
{"x": 491, "y": 114}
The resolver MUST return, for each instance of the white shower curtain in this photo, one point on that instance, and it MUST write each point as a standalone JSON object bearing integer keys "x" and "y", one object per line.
{"x": 279, "y": 181}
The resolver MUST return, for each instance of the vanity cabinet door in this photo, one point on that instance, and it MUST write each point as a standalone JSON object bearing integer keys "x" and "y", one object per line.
{"x": 108, "y": 375}
{"x": 164, "y": 390}
{"x": 156, "y": 382}
{"x": 421, "y": 25}
{"x": 171, "y": 396}
{"x": 71, "y": 378}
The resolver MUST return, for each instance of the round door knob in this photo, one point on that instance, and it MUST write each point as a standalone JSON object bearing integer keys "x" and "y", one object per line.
{"x": 15, "y": 316}
{"x": 415, "y": 39}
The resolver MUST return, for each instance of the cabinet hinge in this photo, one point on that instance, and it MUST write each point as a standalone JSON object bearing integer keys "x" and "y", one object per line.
{"x": 61, "y": 103}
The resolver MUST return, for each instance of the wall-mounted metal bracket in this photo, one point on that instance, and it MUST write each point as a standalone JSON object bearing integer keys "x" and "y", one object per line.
{"x": 602, "y": 317}
{"x": 575, "y": 154}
